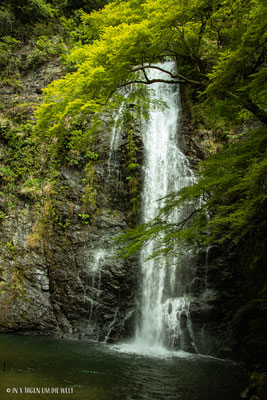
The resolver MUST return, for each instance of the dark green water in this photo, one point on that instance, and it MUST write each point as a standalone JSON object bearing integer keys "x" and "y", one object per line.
{"x": 97, "y": 371}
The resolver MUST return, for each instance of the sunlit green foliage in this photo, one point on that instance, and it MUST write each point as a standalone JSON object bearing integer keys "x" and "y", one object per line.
{"x": 218, "y": 45}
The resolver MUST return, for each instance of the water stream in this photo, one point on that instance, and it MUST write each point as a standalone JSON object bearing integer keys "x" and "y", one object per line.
{"x": 165, "y": 317}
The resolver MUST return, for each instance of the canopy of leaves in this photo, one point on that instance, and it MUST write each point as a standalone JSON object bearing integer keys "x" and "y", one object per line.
{"x": 219, "y": 47}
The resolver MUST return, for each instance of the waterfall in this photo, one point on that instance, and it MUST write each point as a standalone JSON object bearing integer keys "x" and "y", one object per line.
{"x": 165, "y": 317}
{"x": 173, "y": 287}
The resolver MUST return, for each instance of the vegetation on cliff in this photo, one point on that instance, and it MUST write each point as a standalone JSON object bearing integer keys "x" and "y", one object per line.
{"x": 219, "y": 47}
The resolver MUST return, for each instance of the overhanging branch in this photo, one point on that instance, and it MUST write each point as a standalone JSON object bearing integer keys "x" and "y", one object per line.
{"x": 182, "y": 79}
{"x": 150, "y": 82}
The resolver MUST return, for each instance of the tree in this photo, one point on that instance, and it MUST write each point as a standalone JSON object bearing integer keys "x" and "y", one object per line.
{"x": 220, "y": 59}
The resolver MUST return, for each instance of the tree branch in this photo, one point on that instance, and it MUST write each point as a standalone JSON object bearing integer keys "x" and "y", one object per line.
{"x": 182, "y": 223}
{"x": 174, "y": 76}
{"x": 150, "y": 82}
{"x": 249, "y": 105}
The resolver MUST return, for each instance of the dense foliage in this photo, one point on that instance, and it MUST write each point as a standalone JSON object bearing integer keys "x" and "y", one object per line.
{"x": 219, "y": 48}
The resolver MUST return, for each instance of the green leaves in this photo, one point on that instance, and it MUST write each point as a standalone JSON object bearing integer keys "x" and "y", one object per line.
{"x": 219, "y": 45}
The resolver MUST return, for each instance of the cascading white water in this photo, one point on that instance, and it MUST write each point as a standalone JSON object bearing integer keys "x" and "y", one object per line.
{"x": 113, "y": 162}
{"x": 165, "y": 317}
{"x": 95, "y": 270}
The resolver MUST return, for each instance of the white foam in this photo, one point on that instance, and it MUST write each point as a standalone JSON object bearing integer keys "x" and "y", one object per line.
{"x": 142, "y": 349}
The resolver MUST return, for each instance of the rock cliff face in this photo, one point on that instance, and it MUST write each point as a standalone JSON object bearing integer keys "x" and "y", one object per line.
{"x": 71, "y": 282}
{"x": 67, "y": 280}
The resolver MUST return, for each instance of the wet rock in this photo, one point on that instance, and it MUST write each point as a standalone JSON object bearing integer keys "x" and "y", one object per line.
{"x": 69, "y": 281}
